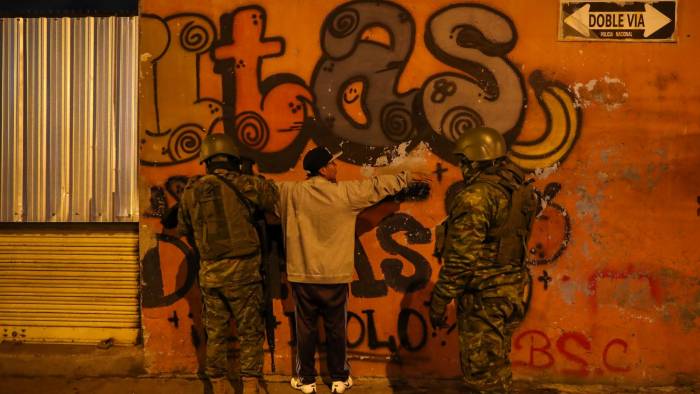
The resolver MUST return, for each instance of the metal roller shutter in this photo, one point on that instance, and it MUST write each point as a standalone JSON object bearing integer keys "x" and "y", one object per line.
{"x": 69, "y": 283}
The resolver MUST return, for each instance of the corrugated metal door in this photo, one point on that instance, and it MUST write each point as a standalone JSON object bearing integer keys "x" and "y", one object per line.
{"x": 68, "y": 155}
{"x": 68, "y": 119}
{"x": 69, "y": 284}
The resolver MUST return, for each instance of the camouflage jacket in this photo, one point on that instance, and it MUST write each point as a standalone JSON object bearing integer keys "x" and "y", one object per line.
{"x": 220, "y": 223}
{"x": 470, "y": 263}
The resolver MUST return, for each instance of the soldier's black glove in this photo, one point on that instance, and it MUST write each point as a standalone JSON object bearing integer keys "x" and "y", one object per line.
{"x": 437, "y": 313}
{"x": 438, "y": 321}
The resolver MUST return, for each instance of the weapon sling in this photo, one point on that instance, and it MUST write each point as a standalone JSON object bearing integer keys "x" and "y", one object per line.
{"x": 270, "y": 320}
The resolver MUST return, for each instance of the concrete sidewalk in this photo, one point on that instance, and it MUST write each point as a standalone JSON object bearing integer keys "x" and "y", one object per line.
{"x": 278, "y": 385}
{"x": 71, "y": 369}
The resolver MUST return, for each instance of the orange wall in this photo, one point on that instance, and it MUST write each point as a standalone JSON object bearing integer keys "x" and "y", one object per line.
{"x": 616, "y": 131}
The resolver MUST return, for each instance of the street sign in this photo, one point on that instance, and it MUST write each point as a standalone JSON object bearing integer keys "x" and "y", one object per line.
{"x": 650, "y": 20}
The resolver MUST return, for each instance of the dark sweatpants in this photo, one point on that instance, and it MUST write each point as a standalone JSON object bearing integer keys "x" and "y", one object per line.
{"x": 329, "y": 302}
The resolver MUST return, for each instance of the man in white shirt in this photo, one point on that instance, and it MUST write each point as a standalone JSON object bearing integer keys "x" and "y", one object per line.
{"x": 318, "y": 217}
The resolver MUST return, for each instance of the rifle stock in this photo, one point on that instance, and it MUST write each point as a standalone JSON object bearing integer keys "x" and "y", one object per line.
{"x": 270, "y": 270}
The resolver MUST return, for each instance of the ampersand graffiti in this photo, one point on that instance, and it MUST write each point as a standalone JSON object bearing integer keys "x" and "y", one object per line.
{"x": 366, "y": 45}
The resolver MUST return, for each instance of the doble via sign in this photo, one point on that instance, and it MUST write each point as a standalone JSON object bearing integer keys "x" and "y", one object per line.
{"x": 617, "y": 21}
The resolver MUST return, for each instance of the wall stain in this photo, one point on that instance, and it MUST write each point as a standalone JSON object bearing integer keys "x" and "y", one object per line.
{"x": 686, "y": 306}
{"x": 631, "y": 175}
{"x": 588, "y": 205}
{"x": 662, "y": 81}
{"x": 607, "y": 91}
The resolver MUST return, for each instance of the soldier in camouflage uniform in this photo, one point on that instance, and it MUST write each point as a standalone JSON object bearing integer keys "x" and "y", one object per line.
{"x": 484, "y": 259}
{"x": 215, "y": 210}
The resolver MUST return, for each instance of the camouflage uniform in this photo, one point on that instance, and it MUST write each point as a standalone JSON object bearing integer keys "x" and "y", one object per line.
{"x": 489, "y": 295}
{"x": 229, "y": 274}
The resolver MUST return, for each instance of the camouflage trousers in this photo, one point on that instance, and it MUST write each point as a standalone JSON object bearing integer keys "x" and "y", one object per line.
{"x": 486, "y": 323}
{"x": 244, "y": 304}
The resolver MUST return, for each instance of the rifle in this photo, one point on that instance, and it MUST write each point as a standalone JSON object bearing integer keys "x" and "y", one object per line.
{"x": 169, "y": 219}
{"x": 270, "y": 271}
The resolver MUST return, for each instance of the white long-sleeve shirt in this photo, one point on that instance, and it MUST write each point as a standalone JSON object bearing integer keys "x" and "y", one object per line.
{"x": 318, "y": 218}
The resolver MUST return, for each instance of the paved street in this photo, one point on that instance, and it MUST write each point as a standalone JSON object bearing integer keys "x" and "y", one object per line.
{"x": 278, "y": 385}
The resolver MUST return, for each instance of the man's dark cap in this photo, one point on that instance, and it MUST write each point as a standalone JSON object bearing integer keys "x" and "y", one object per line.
{"x": 317, "y": 158}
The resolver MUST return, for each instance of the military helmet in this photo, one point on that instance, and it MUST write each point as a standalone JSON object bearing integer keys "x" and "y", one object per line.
{"x": 217, "y": 144}
{"x": 481, "y": 144}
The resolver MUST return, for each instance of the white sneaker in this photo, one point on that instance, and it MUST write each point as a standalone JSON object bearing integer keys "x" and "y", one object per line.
{"x": 340, "y": 386}
{"x": 305, "y": 388}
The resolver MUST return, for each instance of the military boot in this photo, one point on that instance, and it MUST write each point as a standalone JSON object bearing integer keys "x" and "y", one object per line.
{"x": 222, "y": 386}
{"x": 251, "y": 385}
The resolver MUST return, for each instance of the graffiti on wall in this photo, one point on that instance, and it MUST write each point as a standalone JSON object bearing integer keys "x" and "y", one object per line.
{"x": 533, "y": 349}
{"x": 174, "y": 116}
{"x": 352, "y": 100}
{"x": 266, "y": 117}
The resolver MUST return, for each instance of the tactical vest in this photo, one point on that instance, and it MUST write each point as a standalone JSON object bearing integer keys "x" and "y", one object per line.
{"x": 513, "y": 234}
{"x": 223, "y": 227}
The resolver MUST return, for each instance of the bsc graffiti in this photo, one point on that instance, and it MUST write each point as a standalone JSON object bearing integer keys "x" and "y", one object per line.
{"x": 533, "y": 349}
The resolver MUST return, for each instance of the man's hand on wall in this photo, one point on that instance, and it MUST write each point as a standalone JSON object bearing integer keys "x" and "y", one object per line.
{"x": 419, "y": 177}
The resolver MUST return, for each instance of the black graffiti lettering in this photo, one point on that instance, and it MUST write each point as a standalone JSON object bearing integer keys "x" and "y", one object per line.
{"x": 552, "y": 222}
{"x": 411, "y": 327}
{"x": 361, "y": 336}
{"x": 366, "y": 286}
{"x": 551, "y": 191}
{"x": 416, "y": 233}
{"x": 152, "y": 286}
{"x": 545, "y": 279}
{"x": 253, "y": 128}
{"x": 174, "y": 319}
{"x": 152, "y": 283}
{"x": 372, "y": 338}
{"x": 490, "y": 91}
{"x": 355, "y": 81}
{"x": 173, "y": 133}
{"x": 402, "y": 326}
{"x": 439, "y": 170}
